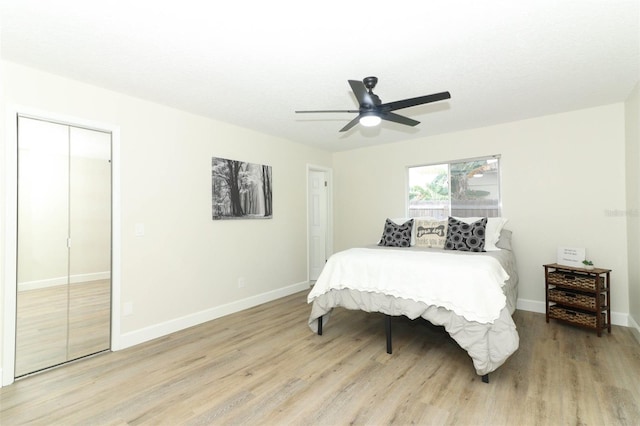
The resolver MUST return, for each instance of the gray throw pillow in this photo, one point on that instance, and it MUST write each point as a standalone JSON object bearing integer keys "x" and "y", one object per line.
{"x": 395, "y": 235}
{"x": 466, "y": 236}
{"x": 505, "y": 240}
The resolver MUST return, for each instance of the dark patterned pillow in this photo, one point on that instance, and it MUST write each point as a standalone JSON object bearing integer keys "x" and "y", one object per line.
{"x": 466, "y": 236}
{"x": 395, "y": 235}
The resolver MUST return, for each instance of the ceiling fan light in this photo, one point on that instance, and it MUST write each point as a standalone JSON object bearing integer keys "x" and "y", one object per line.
{"x": 370, "y": 120}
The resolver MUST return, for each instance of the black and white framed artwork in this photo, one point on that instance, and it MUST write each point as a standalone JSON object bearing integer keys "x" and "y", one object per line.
{"x": 240, "y": 190}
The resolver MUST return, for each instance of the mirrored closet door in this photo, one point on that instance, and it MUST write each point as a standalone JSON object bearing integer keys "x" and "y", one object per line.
{"x": 64, "y": 244}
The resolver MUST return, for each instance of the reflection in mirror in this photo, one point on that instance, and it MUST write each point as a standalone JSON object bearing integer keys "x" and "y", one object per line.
{"x": 90, "y": 232}
{"x": 64, "y": 244}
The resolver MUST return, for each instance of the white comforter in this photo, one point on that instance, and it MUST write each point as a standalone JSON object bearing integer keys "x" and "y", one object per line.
{"x": 390, "y": 281}
{"x": 468, "y": 285}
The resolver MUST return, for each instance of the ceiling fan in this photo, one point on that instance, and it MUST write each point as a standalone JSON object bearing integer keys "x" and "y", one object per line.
{"x": 372, "y": 111}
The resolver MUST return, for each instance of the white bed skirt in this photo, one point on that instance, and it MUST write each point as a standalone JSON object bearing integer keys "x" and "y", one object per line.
{"x": 489, "y": 345}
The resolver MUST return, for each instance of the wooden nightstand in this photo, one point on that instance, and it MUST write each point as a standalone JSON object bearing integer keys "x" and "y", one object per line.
{"x": 578, "y": 296}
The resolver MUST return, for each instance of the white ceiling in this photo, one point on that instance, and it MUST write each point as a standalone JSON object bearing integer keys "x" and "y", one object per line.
{"x": 252, "y": 63}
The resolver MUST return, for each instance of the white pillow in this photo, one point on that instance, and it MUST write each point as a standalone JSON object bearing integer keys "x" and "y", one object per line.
{"x": 494, "y": 226}
{"x": 431, "y": 233}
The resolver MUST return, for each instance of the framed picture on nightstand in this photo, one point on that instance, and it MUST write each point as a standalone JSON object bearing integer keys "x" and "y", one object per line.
{"x": 571, "y": 256}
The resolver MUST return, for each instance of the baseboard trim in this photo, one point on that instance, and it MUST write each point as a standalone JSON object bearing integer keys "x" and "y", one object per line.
{"x": 531, "y": 306}
{"x": 136, "y": 337}
{"x": 617, "y": 318}
{"x": 635, "y": 328}
{"x": 73, "y": 279}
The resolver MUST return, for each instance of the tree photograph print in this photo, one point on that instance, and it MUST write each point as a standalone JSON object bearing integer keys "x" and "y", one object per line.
{"x": 240, "y": 190}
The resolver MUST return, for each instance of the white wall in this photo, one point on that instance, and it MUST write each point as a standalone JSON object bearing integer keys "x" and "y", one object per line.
{"x": 186, "y": 267}
{"x": 633, "y": 202}
{"x": 563, "y": 184}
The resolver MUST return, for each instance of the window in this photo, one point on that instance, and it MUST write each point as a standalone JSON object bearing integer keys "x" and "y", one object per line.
{"x": 462, "y": 188}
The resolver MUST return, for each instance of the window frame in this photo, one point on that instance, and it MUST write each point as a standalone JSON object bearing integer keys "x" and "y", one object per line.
{"x": 448, "y": 164}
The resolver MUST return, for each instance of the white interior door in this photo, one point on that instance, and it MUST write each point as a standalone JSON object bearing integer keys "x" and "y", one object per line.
{"x": 318, "y": 214}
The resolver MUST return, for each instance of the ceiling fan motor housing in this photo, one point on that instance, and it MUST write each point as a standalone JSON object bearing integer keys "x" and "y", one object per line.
{"x": 370, "y": 82}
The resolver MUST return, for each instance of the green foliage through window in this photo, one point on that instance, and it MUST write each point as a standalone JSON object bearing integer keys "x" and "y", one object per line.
{"x": 460, "y": 188}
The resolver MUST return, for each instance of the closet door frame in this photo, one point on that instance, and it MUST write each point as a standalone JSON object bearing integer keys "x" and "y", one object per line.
{"x": 11, "y": 234}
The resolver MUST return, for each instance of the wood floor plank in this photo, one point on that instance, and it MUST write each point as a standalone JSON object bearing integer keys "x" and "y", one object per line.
{"x": 265, "y": 366}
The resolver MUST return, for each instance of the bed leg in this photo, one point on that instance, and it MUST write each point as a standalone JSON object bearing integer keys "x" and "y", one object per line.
{"x": 485, "y": 378}
{"x": 319, "y": 326}
{"x": 387, "y": 329}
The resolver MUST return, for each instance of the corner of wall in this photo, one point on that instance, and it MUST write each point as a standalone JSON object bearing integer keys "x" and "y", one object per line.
{"x": 635, "y": 328}
{"x": 632, "y": 160}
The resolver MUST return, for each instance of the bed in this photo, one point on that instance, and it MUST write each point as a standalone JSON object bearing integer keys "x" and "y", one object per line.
{"x": 471, "y": 294}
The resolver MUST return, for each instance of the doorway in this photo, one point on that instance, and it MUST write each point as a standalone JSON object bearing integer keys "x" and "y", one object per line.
{"x": 319, "y": 219}
{"x": 64, "y": 243}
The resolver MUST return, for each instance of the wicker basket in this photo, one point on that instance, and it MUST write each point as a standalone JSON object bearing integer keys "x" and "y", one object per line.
{"x": 575, "y": 317}
{"x": 578, "y": 281}
{"x": 582, "y": 300}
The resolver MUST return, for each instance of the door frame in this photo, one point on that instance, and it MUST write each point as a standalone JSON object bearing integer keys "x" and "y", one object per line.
{"x": 329, "y": 236}
{"x": 11, "y": 234}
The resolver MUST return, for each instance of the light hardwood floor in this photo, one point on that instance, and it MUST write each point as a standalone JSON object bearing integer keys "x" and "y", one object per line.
{"x": 264, "y": 366}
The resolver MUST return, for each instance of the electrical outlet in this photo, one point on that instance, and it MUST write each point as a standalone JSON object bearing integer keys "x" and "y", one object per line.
{"x": 241, "y": 282}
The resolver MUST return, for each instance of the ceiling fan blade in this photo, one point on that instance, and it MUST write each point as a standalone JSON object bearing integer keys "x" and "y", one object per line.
{"x": 351, "y": 124}
{"x": 363, "y": 97}
{"x": 330, "y": 110}
{"x": 397, "y": 118}
{"x": 406, "y": 103}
